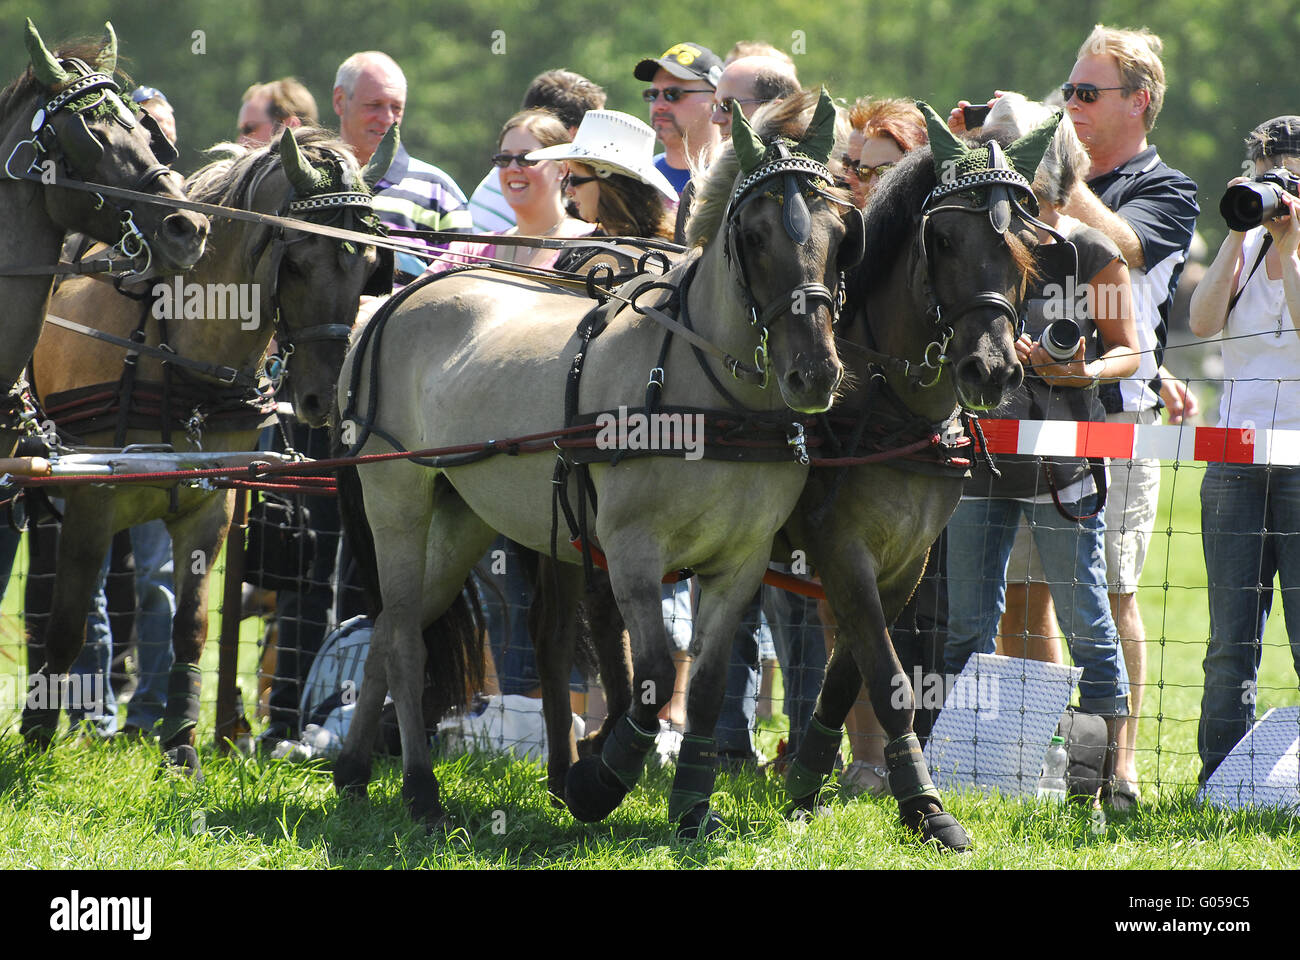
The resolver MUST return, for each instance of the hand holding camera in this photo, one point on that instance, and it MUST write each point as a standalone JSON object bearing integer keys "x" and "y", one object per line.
{"x": 1248, "y": 203}
{"x": 1057, "y": 356}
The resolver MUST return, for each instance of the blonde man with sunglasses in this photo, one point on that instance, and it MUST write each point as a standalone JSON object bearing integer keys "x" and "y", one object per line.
{"x": 1114, "y": 94}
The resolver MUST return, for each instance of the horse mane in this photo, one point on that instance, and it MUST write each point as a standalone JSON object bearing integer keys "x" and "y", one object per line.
{"x": 226, "y": 180}
{"x": 18, "y": 91}
{"x": 787, "y": 118}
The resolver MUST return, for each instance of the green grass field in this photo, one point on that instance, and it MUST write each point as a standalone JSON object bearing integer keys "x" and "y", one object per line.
{"x": 110, "y": 806}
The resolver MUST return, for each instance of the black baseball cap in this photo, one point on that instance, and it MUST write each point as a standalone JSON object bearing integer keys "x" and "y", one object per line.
{"x": 686, "y": 61}
{"x": 1272, "y": 137}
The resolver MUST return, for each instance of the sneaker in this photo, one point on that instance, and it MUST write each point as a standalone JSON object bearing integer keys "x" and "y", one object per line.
{"x": 860, "y": 777}
{"x": 270, "y": 738}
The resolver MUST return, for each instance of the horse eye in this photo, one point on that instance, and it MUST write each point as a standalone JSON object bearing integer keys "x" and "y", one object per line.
{"x": 755, "y": 239}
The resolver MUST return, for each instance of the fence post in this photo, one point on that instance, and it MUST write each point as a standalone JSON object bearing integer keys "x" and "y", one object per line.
{"x": 230, "y": 714}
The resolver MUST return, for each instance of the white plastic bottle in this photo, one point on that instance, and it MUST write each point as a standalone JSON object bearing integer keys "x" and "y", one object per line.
{"x": 1051, "y": 785}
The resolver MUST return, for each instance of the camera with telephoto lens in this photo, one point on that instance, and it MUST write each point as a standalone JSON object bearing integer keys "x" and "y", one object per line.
{"x": 1061, "y": 339}
{"x": 1247, "y": 205}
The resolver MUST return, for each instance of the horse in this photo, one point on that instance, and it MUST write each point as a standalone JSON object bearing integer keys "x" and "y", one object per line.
{"x": 62, "y": 122}
{"x": 312, "y": 285}
{"x": 933, "y": 313}
{"x": 456, "y": 364}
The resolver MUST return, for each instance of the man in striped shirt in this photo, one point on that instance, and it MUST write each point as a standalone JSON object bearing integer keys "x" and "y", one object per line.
{"x": 369, "y": 97}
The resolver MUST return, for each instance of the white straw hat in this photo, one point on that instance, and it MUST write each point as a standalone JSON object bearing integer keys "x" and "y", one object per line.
{"x": 610, "y": 141}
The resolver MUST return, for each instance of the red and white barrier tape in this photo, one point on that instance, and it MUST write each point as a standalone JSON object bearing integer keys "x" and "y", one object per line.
{"x": 1123, "y": 441}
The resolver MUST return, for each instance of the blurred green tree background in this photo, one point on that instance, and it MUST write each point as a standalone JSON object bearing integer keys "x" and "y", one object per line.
{"x": 468, "y": 61}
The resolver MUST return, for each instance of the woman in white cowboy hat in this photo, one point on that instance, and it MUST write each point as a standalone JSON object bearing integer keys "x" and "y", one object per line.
{"x": 612, "y": 178}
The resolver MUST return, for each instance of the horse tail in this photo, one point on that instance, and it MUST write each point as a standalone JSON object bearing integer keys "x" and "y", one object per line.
{"x": 352, "y": 511}
{"x": 454, "y": 661}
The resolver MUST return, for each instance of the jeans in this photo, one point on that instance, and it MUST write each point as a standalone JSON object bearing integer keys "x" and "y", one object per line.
{"x": 980, "y": 536}
{"x": 1250, "y": 526}
{"x": 92, "y": 667}
{"x": 737, "y": 719}
{"x": 506, "y": 592}
{"x": 155, "y": 596}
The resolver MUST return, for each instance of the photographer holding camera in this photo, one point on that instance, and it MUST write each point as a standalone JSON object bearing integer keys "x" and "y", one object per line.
{"x": 1250, "y": 514}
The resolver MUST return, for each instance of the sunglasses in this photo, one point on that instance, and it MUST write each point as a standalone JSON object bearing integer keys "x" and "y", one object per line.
{"x": 503, "y": 160}
{"x": 725, "y": 105}
{"x": 574, "y": 181}
{"x": 864, "y": 172}
{"x": 1086, "y": 92}
{"x": 671, "y": 94}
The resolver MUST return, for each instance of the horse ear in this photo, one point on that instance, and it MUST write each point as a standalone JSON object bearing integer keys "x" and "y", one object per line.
{"x": 382, "y": 158}
{"x": 45, "y": 67}
{"x": 820, "y": 138}
{"x": 748, "y": 144}
{"x": 1027, "y": 152}
{"x": 106, "y": 62}
{"x": 304, "y": 178}
{"x": 944, "y": 145}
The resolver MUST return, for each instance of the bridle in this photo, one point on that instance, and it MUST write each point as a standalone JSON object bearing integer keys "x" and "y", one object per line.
{"x": 1006, "y": 194}
{"x": 308, "y": 208}
{"x": 81, "y": 148}
{"x": 798, "y": 173}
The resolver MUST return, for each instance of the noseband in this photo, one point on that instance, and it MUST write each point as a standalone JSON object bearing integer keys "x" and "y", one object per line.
{"x": 798, "y": 172}
{"x": 46, "y": 145}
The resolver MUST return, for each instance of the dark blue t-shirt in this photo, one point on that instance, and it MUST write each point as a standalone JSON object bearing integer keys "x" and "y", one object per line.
{"x": 1159, "y": 203}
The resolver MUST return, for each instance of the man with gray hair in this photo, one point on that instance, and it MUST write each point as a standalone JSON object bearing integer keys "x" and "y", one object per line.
{"x": 369, "y": 97}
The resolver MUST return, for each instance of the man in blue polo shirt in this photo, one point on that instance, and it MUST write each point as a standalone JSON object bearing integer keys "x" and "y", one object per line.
{"x": 1114, "y": 94}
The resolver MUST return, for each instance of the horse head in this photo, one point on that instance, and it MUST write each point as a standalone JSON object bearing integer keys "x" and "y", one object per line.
{"x": 972, "y": 256}
{"x": 782, "y": 223}
{"x": 312, "y": 283}
{"x": 71, "y": 125}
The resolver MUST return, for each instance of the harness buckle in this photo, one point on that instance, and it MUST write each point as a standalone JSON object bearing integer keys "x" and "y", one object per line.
{"x": 656, "y": 380}
{"x": 799, "y": 443}
{"x": 761, "y": 359}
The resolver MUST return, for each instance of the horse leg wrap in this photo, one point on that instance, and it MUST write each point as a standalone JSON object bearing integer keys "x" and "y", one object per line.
{"x": 908, "y": 776}
{"x": 688, "y": 804}
{"x": 40, "y": 724}
{"x": 596, "y": 785}
{"x": 815, "y": 761}
{"x": 916, "y": 794}
{"x": 181, "y": 716}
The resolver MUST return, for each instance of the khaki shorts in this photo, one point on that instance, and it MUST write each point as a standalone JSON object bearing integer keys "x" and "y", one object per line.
{"x": 1130, "y": 511}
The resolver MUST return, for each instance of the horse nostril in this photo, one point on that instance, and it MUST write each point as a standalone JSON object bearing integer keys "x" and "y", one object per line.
{"x": 179, "y": 226}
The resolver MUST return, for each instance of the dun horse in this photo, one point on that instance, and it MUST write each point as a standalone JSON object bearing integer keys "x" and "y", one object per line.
{"x": 476, "y": 355}
{"x": 307, "y": 288}
{"x": 62, "y": 122}
{"x": 935, "y": 307}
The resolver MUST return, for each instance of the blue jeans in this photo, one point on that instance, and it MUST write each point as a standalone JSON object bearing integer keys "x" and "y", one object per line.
{"x": 92, "y": 666}
{"x": 1250, "y": 521}
{"x": 980, "y": 536}
{"x": 155, "y": 597}
{"x": 737, "y": 719}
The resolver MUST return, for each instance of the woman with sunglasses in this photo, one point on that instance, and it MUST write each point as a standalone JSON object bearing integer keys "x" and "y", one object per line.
{"x": 883, "y": 131}
{"x": 612, "y": 181}
{"x": 532, "y": 188}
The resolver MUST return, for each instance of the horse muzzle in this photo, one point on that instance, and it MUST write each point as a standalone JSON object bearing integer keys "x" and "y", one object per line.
{"x": 810, "y": 384}
{"x": 983, "y": 384}
{"x": 178, "y": 242}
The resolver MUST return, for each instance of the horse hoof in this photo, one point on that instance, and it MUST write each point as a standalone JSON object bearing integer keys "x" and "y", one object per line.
{"x": 937, "y": 827}
{"x": 591, "y": 791}
{"x": 38, "y": 728}
{"x": 802, "y": 808}
{"x": 351, "y": 778}
{"x": 184, "y": 759}
{"x": 700, "y": 823}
